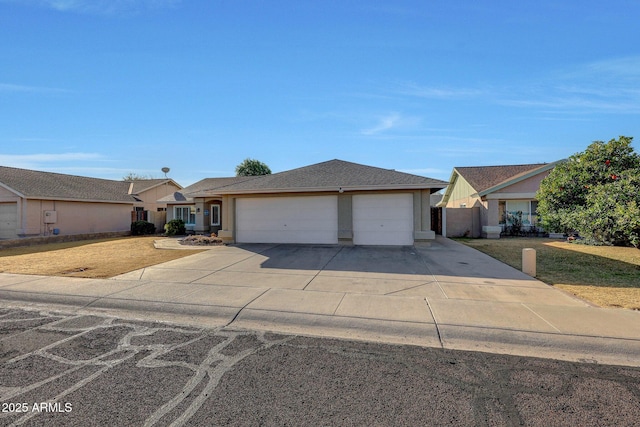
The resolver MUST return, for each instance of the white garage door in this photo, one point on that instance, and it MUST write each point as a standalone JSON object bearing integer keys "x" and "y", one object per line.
{"x": 8, "y": 220}
{"x": 383, "y": 219}
{"x": 311, "y": 219}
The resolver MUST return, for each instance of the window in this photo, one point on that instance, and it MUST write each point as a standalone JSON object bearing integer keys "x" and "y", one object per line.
{"x": 185, "y": 213}
{"x": 215, "y": 214}
{"x": 528, "y": 208}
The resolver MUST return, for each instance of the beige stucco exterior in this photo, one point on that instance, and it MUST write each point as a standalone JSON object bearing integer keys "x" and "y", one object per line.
{"x": 463, "y": 195}
{"x": 69, "y": 217}
{"x": 227, "y": 230}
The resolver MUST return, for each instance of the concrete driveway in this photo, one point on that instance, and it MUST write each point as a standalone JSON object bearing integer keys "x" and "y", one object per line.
{"x": 443, "y": 294}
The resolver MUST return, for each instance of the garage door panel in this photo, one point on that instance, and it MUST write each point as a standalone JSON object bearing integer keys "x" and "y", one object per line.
{"x": 8, "y": 220}
{"x": 312, "y": 219}
{"x": 383, "y": 219}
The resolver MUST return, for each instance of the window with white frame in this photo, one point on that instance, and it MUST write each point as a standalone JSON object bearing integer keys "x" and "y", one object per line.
{"x": 527, "y": 208}
{"x": 215, "y": 214}
{"x": 185, "y": 213}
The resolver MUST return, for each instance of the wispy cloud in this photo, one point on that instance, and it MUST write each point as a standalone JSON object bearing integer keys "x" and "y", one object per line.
{"x": 98, "y": 7}
{"x": 9, "y": 87}
{"x": 39, "y": 160}
{"x": 607, "y": 86}
{"x": 433, "y": 92}
{"x": 384, "y": 124}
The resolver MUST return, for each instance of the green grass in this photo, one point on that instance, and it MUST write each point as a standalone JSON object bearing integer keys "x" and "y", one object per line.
{"x": 607, "y": 276}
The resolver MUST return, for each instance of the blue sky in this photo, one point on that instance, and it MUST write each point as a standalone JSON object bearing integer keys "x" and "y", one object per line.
{"x": 103, "y": 88}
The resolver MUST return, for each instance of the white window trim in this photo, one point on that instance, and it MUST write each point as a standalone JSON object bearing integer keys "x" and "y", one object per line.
{"x": 192, "y": 213}
{"x": 215, "y": 208}
{"x": 527, "y": 220}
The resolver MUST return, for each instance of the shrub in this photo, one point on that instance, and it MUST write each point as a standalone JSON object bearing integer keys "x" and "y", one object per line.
{"x": 140, "y": 228}
{"x": 175, "y": 227}
{"x": 202, "y": 241}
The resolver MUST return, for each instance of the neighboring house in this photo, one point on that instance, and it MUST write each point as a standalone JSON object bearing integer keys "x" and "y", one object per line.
{"x": 34, "y": 203}
{"x": 490, "y": 195}
{"x": 325, "y": 203}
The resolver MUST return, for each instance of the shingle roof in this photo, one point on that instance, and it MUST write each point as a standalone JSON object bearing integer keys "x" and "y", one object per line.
{"x": 329, "y": 175}
{"x": 205, "y": 185}
{"x": 482, "y": 178}
{"x": 49, "y": 185}
{"x": 140, "y": 185}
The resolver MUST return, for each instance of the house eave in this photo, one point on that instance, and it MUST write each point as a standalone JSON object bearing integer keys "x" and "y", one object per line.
{"x": 67, "y": 199}
{"x": 332, "y": 189}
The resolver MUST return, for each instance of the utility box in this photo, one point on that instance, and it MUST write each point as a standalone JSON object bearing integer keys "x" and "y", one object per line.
{"x": 50, "y": 217}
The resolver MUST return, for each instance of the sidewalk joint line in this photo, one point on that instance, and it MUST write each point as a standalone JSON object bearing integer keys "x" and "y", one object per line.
{"x": 340, "y": 303}
{"x": 543, "y": 319}
{"x": 322, "y": 268}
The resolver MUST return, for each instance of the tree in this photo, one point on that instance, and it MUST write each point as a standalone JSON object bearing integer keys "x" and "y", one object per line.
{"x": 132, "y": 176}
{"x": 251, "y": 167}
{"x": 595, "y": 193}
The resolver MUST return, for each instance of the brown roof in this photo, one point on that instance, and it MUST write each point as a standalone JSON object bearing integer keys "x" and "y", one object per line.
{"x": 482, "y": 178}
{"x": 52, "y": 186}
{"x": 329, "y": 175}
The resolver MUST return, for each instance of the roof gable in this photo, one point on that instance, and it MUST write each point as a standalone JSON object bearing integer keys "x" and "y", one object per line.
{"x": 138, "y": 186}
{"x": 482, "y": 178}
{"x": 487, "y": 179}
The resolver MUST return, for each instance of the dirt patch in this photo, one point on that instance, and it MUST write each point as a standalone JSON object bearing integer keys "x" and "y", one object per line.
{"x": 90, "y": 258}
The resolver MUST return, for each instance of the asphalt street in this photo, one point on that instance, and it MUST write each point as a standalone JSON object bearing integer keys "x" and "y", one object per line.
{"x": 89, "y": 369}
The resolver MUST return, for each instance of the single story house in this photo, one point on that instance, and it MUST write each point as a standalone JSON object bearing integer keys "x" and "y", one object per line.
{"x": 326, "y": 203}
{"x": 34, "y": 203}
{"x": 482, "y": 200}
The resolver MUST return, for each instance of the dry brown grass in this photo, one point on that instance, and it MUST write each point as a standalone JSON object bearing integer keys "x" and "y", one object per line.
{"x": 89, "y": 258}
{"x": 608, "y": 276}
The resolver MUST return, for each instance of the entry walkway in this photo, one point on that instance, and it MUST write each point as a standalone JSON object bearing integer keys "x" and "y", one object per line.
{"x": 443, "y": 294}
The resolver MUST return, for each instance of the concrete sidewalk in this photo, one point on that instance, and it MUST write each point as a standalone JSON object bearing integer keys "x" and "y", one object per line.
{"x": 439, "y": 295}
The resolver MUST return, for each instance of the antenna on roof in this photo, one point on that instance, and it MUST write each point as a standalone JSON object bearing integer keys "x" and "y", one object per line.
{"x": 165, "y": 170}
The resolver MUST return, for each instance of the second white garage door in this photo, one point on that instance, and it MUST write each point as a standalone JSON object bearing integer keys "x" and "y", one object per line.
{"x": 312, "y": 219}
{"x": 383, "y": 219}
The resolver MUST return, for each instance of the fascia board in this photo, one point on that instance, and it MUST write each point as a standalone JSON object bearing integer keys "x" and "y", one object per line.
{"x": 16, "y": 192}
{"x": 65, "y": 199}
{"x": 320, "y": 189}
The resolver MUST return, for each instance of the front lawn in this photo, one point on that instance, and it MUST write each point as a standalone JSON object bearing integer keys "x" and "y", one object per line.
{"x": 605, "y": 275}
{"x": 87, "y": 258}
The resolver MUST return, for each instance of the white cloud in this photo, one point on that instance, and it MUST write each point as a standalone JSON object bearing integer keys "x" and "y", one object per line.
{"x": 413, "y": 89}
{"x": 8, "y": 87}
{"x": 39, "y": 160}
{"x": 384, "y": 124}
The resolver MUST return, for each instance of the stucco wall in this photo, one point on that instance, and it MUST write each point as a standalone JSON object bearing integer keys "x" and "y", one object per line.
{"x": 529, "y": 185}
{"x": 151, "y": 196}
{"x": 463, "y": 222}
{"x": 76, "y": 217}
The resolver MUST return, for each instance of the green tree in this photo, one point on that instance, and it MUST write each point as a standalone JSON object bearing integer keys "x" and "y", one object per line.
{"x": 132, "y": 176}
{"x": 595, "y": 193}
{"x": 251, "y": 167}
